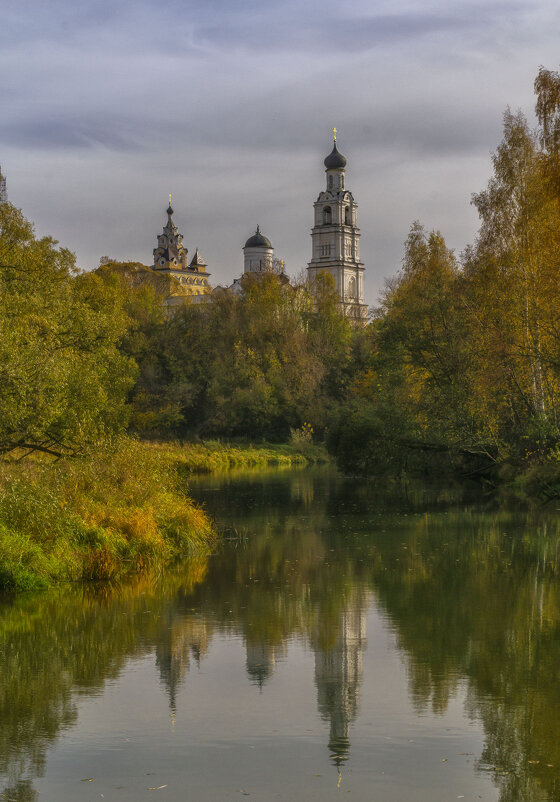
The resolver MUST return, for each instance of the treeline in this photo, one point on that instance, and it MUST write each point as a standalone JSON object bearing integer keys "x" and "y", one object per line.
{"x": 465, "y": 352}
{"x": 259, "y": 364}
{"x": 459, "y": 368}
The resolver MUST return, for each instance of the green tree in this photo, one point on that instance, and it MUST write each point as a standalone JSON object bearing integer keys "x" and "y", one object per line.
{"x": 63, "y": 380}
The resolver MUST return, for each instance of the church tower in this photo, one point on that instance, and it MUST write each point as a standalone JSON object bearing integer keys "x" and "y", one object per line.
{"x": 258, "y": 253}
{"x": 335, "y": 239}
{"x": 170, "y": 257}
{"x": 170, "y": 253}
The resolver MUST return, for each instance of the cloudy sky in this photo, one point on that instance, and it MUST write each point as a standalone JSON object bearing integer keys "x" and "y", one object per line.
{"x": 106, "y": 107}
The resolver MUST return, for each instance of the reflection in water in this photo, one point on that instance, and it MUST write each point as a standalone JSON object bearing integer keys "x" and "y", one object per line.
{"x": 184, "y": 639}
{"x": 338, "y": 673}
{"x": 472, "y": 597}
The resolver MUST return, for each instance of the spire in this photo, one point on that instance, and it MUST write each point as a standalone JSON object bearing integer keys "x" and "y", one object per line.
{"x": 169, "y": 209}
{"x": 197, "y": 260}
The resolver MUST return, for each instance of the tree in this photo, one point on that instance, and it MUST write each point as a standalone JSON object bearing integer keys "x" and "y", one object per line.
{"x": 63, "y": 381}
{"x": 511, "y": 281}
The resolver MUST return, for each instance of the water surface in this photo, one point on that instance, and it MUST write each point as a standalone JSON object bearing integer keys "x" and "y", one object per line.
{"x": 347, "y": 639}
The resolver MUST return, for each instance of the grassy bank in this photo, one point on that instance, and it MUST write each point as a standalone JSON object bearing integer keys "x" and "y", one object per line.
{"x": 122, "y": 509}
{"x": 212, "y": 456}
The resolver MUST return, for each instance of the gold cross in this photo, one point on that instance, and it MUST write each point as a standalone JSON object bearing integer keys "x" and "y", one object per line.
{"x": 334, "y": 133}
{"x": 170, "y": 198}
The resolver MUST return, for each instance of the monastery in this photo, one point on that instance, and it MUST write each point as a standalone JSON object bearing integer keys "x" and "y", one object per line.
{"x": 335, "y": 248}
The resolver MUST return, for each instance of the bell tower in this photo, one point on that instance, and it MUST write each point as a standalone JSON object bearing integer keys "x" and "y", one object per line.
{"x": 335, "y": 239}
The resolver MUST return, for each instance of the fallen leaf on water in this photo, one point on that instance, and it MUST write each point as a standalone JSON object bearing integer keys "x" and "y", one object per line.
{"x": 87, "y": 780}
{"x": 444, "y": 759}
{"x": 154, "y": 788}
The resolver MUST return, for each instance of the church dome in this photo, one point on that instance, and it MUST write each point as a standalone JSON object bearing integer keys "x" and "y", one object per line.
{"x": 335, "y": 160}
{"x": 258, "y": 240}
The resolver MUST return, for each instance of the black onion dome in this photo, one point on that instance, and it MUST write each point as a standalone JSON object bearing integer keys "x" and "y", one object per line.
{"x": 258, "y": 240}
{"x": 335, "y": 160}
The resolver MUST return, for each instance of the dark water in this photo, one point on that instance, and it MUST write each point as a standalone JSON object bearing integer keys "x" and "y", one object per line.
{"x": 346, "y": 640}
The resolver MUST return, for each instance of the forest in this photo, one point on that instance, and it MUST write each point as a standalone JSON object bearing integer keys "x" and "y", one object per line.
{"x": 458, "y": 370}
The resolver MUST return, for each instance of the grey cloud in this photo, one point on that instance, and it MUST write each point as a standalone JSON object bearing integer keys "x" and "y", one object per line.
{"x": 58, "y": 132}
{"x": 248, "y": 25}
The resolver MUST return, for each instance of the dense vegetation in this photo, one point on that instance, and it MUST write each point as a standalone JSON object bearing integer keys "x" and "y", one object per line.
{"x": 122, "y": 508}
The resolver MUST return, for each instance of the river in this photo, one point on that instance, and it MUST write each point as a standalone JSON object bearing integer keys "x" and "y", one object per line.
{"x": 346, "y": 640}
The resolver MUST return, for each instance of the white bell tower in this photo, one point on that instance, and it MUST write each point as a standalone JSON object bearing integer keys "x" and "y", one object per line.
{"x": 335, "y": 239}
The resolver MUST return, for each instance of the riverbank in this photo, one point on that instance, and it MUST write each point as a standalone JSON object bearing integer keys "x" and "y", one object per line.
{"x": 119, "y": 510}
{"x": 213, "y": 456}
{"x": 122, "y": 509}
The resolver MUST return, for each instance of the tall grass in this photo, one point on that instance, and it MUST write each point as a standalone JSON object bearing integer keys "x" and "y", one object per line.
{"x": 213, "y": 456}
{"x": 121, "y": 509}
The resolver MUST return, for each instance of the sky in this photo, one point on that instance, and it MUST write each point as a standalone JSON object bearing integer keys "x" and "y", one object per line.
{"x": 107, "y": 107}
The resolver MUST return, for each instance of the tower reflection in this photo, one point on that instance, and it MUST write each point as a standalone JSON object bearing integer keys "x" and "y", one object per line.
{"x": 339, "y": 648}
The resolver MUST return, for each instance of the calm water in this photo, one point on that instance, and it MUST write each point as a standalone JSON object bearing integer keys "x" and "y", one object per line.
{"x": 345, "y": 640}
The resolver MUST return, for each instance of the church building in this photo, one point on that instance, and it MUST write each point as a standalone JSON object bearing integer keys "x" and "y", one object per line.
{"x": 170, "y": 257}
{"x": 258, "y": 253}
{"x": 336, "y": 239}
{"x": 258, "y": 258}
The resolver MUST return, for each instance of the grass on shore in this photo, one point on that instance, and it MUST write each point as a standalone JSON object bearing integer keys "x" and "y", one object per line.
{"x": 214, "y": 456}
{"x": 121, "y": 509}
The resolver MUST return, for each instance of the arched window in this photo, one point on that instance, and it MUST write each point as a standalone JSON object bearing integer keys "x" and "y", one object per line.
{"x": 331, "y": 180}
{"x": 347, "y": 221}
{"x": 327, "y": 216}
{"x": 352, "y": 287}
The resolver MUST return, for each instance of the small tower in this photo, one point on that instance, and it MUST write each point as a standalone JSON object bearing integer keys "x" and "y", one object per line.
{"x": 198, "y": 263}
{"x": 335, "y": 239}
{"x": 257, "y": 253}
{"x": 3, "y": 189}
